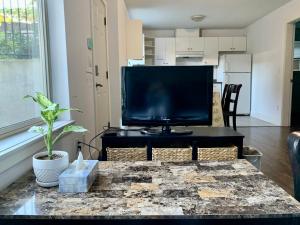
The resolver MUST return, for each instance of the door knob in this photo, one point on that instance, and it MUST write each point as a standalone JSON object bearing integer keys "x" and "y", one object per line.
{"x": 98, "y": 85}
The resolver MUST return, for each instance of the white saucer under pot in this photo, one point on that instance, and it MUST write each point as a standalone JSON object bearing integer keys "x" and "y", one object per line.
{"x": 48, "y": 171}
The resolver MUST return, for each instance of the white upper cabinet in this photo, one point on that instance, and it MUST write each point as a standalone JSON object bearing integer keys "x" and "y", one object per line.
{"x": 229, "y": 44}
{"x": 182, "y": 44}
{"x": 225, "y": 44}
{"x": 189, "y": 44}
{"x": 165, "y": 52}
{"x": 196, "y": 44}
{"x": 239, "y": 44}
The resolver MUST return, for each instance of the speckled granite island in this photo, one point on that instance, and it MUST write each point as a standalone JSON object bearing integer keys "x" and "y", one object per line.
{"x": 156, "y": 193}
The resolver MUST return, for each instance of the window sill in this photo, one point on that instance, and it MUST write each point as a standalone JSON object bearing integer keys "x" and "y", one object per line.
{"x": 20, "y": 146}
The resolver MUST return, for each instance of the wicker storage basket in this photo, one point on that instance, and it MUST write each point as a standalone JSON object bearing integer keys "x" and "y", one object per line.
{"x": 172, "y": 154}
{"x": 218, "y": 154}
{"x": 127, "y": 154}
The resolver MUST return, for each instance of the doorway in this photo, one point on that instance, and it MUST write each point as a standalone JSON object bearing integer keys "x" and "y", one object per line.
{"x": 100, "y": 61}
{"x": 295, "y": 107}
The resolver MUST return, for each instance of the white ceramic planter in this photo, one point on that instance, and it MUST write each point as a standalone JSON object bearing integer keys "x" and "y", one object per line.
{"x": 48, "y": 171}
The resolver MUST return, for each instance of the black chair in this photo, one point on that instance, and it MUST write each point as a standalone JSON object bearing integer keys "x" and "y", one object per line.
{"x": 294, "y": 152}
{"x": 231, "y": 97}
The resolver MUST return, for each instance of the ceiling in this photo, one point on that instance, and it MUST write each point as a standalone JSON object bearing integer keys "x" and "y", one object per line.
{"x": 171, "y": 14}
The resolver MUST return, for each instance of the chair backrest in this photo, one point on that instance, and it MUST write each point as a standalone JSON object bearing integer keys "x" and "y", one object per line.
{"x": 225, "y": 91}
{"x": 232, "y": 89}
{"x": 294, "y": 152}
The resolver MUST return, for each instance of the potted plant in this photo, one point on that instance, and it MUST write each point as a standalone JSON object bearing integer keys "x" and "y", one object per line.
{"x": 50, "y": 164}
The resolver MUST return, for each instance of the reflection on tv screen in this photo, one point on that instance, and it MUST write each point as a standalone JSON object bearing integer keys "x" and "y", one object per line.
{"x": 177, "y": 95}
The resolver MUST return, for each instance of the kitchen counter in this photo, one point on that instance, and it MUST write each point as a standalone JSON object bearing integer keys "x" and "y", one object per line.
{"x": 157, "y": 190}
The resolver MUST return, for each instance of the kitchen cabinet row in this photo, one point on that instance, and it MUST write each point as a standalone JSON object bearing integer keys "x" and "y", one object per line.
{"x": 227, "y": 44}
{"x": 205, "y": 48}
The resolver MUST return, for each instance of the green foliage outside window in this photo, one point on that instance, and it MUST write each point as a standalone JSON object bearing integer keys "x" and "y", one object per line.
{"x": 19, "y": 30}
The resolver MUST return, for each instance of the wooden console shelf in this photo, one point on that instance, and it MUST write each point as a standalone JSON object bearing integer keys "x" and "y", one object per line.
{"x": 202, "y": 137}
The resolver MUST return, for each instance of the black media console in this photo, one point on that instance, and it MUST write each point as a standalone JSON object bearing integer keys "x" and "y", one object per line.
{"x": 201, "y": 137}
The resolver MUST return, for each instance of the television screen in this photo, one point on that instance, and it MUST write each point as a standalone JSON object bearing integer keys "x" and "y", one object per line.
{"x": 167, "y": 95}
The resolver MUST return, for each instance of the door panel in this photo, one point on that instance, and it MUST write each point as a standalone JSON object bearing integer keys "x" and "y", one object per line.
{"x": 295, "y": 113}
{"x": 165, "y": 52}
{"x": 170, "y": 52}
{"x": 182, "y": 44}
{"x": 159, "y": 62}
{"x": 211, "y": 55}
{"x": 240, "y": 44}
{"x": 159, "y": 49}
{"x": 244, "y": 101}
{"x": 225, "y": 44}
{"x": 196, "y": 44}
{"x": 100, "y": 63}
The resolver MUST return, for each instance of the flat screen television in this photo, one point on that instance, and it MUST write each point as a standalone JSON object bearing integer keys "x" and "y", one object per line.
{"x": 167, "y": 95}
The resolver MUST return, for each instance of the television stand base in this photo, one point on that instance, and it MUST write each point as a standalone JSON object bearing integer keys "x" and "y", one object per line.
{"x": 165, "y": 130}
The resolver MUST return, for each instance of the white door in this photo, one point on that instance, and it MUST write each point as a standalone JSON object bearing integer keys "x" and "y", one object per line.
{"x": 238, "y": 63}
{"x": 101, "y": 84}
{"x": 244, "y": 101}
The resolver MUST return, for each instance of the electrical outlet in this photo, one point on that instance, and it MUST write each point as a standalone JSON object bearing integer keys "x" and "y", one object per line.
{"x": 77, "y": 146}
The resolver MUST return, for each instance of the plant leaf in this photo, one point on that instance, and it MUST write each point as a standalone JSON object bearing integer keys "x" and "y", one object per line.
{"x": 75, "y": 109}
{"x": 29, "y": 96}
{"x": 42, "y": 100}
{"x": 74, "y": 128}
{"x": 37, "y": 129}
{"x": 50, "y": 114}
{"x": 61, "y": 111}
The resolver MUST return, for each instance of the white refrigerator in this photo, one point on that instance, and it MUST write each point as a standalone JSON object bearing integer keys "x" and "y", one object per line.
{"x": 237, "y": 69}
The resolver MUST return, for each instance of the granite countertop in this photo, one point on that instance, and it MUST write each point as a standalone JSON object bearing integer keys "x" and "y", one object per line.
{"x": 139, "y": 190}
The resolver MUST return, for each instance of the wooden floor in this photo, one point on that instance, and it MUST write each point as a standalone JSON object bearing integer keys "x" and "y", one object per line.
{"x": 272, "y": 142}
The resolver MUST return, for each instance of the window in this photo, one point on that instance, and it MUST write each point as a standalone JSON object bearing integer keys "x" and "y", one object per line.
{"x": 23, "y": 61}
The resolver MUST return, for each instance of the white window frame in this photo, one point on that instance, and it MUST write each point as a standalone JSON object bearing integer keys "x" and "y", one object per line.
{"x": 21, "y": 126}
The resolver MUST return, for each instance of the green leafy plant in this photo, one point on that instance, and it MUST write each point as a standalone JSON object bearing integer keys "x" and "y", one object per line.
{"x": 49, "y": 113}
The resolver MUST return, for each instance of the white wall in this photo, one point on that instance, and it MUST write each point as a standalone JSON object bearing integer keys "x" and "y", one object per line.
{"x": 117, "y": 53}
{"x": 268, "y": 42}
